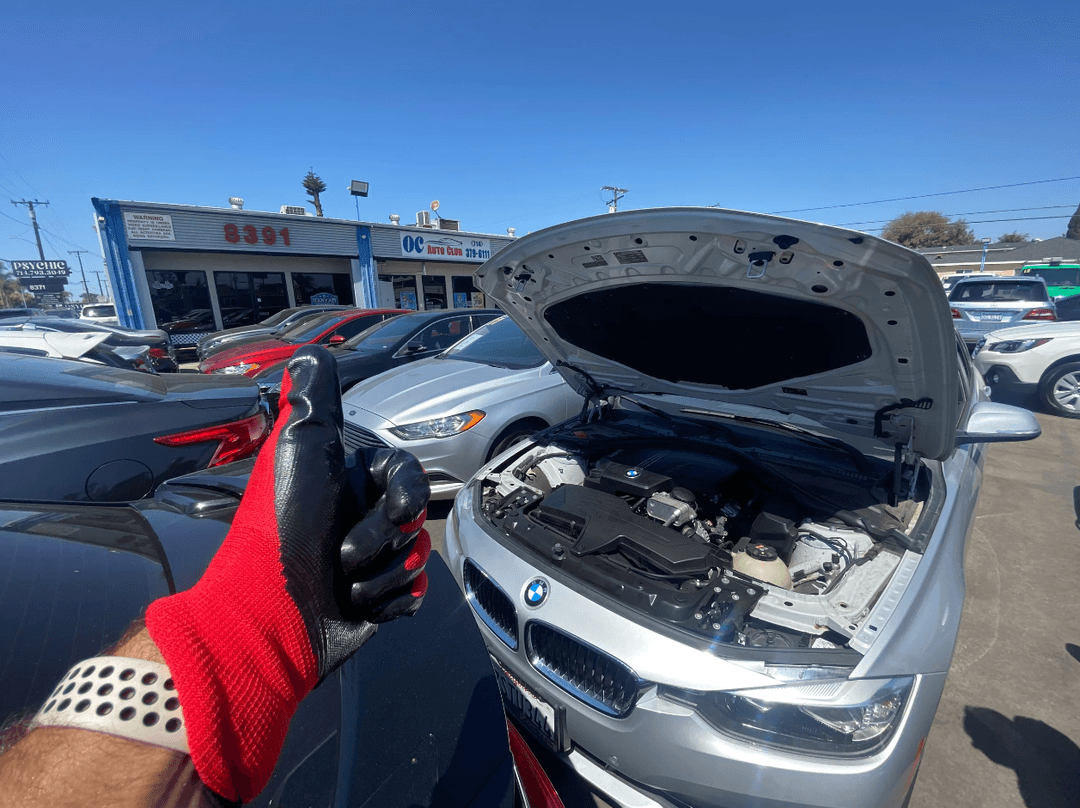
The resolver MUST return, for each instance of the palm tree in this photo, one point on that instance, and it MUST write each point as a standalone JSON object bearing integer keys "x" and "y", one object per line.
{"x": 314, "y": 185}
{"x": 11, "y": 291}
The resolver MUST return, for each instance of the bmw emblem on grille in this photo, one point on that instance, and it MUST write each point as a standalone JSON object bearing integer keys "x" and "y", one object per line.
{"x": 536, "y": 592}
{"x": 632, "y": 473}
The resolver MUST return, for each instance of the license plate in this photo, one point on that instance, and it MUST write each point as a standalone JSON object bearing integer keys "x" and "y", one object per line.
{"x": 990, "y": 316}
{"x": 546, "y": 722}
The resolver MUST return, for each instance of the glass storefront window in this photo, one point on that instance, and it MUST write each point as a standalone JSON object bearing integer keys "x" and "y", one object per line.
{"x": 181, "y": 301}
{"x": 434, "y": 292}
{"x": 404, "y": 290}
{"x": 249, "y": 297}
{"x": 466, "y": 296}
{"x": 322, "y": 288}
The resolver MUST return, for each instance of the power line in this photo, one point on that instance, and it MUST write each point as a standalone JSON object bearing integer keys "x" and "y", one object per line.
{"x": 925, "y": 196}
{"x": 969, "y": 213}
{"x": 985, "y": 221}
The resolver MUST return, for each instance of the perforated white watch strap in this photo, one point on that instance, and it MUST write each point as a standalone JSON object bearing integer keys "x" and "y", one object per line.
{"x": 130, "y": 698}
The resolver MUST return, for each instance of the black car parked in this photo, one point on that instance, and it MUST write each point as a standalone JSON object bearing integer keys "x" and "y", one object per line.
{"x": 393, "y": 342}
{"x": 81, "y": 431}
{"x": 162, "y": 353}
{"x": 413, "y": 718}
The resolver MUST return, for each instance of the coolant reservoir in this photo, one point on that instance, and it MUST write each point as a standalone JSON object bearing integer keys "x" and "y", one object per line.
{"x": 761, "y": 562}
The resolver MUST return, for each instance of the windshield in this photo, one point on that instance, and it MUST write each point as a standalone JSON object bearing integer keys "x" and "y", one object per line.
{"x": 279, "y": 318}
{"x": 310, "y": 327}
{"x": 499, "y": 343}
{"x": 997, "y": 291}
{"x": 386, "y": 334}
{"x": 99, "y": 311}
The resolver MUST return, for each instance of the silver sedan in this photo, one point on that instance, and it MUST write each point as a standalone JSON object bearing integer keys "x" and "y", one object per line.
{"x": 458, "y": 410}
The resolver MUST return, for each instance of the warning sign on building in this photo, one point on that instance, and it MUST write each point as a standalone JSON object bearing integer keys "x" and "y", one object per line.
{"x": 148, "y": 226}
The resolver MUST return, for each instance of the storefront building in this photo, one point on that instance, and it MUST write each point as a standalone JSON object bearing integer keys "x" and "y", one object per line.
{"x": 194, "y": 270}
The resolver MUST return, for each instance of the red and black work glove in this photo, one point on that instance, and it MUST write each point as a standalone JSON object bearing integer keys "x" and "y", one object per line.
{"x": 322, "y": 548}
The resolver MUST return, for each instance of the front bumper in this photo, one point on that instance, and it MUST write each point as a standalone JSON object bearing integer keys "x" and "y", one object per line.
{"x": 663, "y": 752}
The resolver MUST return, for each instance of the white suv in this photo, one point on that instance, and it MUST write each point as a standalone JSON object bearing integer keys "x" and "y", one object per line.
{"x": 1043, "y": 359}
{"x": 104, "y": 313}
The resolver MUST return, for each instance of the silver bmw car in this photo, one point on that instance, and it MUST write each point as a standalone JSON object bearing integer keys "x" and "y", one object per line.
{"x": 736, "y": 580}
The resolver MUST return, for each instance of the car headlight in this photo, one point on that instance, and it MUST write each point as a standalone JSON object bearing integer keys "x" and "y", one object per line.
{"x": 1016, "y": 345}
{"x": 243, "y": 367}
{"x": 439, "y": 427}
{"x": 846, "y": 718}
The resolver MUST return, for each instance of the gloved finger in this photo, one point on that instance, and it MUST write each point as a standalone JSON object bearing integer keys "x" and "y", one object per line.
{"x": 296, "y": 454}
{"x": 400, "y": 475}
{"x": 403, "y": 605}
{"x": 396, "y": 572}
{"x": 374, "y": 535}
{"x": 310, "y": 388}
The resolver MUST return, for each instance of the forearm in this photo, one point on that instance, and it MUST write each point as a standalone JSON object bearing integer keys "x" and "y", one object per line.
{"x": 58, "y": 767}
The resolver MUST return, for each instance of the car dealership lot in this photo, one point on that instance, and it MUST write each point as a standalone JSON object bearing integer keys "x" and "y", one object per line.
{"x": 1007, "y": 731}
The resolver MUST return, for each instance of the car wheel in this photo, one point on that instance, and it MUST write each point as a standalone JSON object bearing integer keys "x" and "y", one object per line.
{"x": 1060, "y": 390}
{"x": 515, "y": 433}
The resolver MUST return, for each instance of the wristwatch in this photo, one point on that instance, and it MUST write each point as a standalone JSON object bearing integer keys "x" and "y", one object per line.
{"x": 129, "y": 698}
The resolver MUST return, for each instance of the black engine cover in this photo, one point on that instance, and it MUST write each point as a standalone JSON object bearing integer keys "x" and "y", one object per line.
{"x": 580, "y": 529}
{"x": 605, "y": 523}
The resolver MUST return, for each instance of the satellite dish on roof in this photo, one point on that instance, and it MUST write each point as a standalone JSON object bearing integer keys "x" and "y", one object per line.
{"x": 435, "y": 206}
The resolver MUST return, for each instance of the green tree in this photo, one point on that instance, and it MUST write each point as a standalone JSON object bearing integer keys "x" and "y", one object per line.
{"x": 1073, "y": 231}
{"x": 314, "y": 185}
{"x": 1015, "y": 237}
{"x": 926, "y": 229}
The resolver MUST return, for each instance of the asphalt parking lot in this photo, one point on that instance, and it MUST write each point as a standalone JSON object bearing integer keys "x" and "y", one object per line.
{"x": 1007, "y": 731}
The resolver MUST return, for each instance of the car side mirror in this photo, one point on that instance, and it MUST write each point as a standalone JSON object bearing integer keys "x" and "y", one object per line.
{"x": 336, "y": 339}
{"x": 415, "y": 346}
{"x": 991, "y": 422}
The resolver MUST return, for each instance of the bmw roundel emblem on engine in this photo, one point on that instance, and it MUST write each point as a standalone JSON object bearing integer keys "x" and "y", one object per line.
{"x": 536, "y": 592}
{"x": 632, "y": 473}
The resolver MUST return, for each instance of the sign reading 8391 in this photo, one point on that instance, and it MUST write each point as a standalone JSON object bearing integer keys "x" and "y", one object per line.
{"x": 250, "y": 234}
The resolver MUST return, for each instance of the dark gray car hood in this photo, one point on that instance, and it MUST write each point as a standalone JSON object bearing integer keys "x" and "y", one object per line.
{"x": 742, "y": 313}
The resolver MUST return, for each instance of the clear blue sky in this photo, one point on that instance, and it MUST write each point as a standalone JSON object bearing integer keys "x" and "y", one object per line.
{"x": 515, "y": 114}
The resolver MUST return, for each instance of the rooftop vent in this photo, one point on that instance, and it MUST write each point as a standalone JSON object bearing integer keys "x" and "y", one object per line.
{"x": 510, "y": 231}
{"x": 423, "y": 218}
{"x": 395, "y": 219}
{"x": 449, "y": 224}
{"x": 293, "y": 210}
{"x": 236, "y": 203}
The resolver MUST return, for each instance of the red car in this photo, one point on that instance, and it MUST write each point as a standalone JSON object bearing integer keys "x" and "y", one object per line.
{"x": 331, "y": 328}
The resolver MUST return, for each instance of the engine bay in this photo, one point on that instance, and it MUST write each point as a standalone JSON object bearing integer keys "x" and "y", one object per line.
{"x": 708, "y": 539}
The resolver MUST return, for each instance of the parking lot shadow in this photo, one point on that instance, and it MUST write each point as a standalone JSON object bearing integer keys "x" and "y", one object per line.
{"x": 1046, "y": 762}
{"x": 1029, "y": 401}
{"x": 1074, "y": 651}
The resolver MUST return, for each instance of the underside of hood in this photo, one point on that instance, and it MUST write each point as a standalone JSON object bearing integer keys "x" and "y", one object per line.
{"x": 713, "y": 308}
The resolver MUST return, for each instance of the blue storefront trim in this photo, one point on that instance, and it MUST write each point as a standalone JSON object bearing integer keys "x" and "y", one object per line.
{"x": 114, "y": 241}
{"x": 367, "y": 268}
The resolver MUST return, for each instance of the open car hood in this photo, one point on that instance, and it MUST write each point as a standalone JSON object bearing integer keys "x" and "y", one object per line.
{"x": 734, "y": 312}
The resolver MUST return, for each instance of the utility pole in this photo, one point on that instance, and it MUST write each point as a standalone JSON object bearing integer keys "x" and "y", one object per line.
{"x": 96, "y": 272}
{"x": 78, "y": 254}
{"x": 33, "y": 221}
{"x": 616, "y": 195}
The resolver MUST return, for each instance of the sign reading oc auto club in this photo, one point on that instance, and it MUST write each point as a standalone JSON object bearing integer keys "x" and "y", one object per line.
{"x": 436, "y": 246}
{"x": 40, "y": 269}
